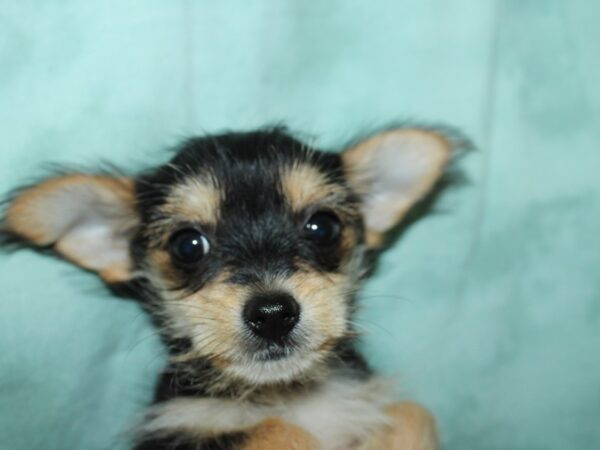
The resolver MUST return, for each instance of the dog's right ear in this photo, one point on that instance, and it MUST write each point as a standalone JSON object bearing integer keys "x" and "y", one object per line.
{"x": 88, "y": 219}
{"x": 392, "y": 171}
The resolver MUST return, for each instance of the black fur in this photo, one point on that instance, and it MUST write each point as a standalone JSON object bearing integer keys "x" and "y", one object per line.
{"x": 258, "y": 236}
{"x": 256, "y": 229}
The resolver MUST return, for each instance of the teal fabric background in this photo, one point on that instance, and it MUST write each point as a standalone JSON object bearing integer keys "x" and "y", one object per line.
{"x": 488, "y": 312}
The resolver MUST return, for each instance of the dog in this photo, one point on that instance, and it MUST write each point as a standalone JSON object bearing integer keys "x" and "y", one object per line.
{"x": 248, "y": 249}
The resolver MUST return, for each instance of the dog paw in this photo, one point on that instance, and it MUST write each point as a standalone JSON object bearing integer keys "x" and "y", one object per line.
{"x": 412, "y": 427}
{"x": 276, "y": 434}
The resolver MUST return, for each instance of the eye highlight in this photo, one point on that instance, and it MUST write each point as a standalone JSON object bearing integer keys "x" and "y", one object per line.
{"x": 323, "y": 228}
{"x": 188, "y": 246}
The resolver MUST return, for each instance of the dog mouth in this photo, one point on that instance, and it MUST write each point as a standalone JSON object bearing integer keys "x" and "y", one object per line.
{"x": 261, "y": 350}
{"x": 275, "y": 352}
{"x": 274, "y": 363}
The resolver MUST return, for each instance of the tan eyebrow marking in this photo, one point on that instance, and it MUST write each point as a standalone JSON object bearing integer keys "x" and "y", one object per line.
{"x": 193, "y": 200}
{"x": 304, "y": 185}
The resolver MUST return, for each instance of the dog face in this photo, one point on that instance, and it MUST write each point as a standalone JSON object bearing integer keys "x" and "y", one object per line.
{"x": 252, "y": 244}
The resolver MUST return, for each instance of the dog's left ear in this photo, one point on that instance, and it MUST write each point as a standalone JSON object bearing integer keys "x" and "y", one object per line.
{"x": 88, "y": 219}
{"x": 392, "y": 171}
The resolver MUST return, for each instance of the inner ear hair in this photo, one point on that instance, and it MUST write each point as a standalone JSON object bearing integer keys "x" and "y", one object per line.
{"x": 392, "y": 171}
{"x": 88, "y": 219}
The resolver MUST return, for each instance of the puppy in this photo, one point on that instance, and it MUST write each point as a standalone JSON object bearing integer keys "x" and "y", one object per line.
{"x": 248, "y": 249}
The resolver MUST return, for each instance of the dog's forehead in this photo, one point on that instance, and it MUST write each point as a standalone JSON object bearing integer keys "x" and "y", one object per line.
{"x": 247, "y": 172}
{"x": 253, "y": 157}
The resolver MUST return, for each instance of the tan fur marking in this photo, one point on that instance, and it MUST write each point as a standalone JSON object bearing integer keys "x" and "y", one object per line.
{"x": 213, "y": 314}
{"x": 304, "y": 185}
{"x": 194, "y": 200}
{"x": 276, "y": 434}
{"x": 162, "y": 269}
{"x": 87, "y": 218}
{"x": 348, "y": 240}
{"x": 28, "y": 218}
{"x": 222, "y": 304}
{"x": 374, "y": 239}
{"x": 322, "y": 298}
{"x": 412, "y": 428}
{"x": 116, "y": 273}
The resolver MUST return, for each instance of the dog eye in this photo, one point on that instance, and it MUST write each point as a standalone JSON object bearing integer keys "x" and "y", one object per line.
{"x": 188, "y": 246}
{"x": 323, "y": 228}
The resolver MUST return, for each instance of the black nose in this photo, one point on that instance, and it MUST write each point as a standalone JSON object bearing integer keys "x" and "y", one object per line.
{"x": 272, "y": 316}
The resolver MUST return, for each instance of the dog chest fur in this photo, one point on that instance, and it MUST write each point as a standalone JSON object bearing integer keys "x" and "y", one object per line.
{"x": 340, "y": 413}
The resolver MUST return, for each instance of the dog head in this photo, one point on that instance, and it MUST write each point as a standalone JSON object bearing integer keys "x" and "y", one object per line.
{"x": 251, "y": 244}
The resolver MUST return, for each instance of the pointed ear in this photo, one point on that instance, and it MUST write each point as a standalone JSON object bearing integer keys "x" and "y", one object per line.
{"x": 88, "y": 219}
{"x": 392, "y": 171}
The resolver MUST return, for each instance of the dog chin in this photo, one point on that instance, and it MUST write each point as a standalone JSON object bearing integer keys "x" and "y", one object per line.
{"x": 274, "y": 366}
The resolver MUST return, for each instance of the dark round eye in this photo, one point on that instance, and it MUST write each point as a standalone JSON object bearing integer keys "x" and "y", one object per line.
{"x": 188, "y": 246}
{"x": 323, "y": 228}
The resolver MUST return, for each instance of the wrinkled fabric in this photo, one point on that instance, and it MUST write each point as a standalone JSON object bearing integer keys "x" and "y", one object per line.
{"x": 487, "y": 311}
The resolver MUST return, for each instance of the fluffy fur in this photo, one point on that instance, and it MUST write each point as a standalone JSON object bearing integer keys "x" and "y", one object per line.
{"x": 268, "y": 217}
